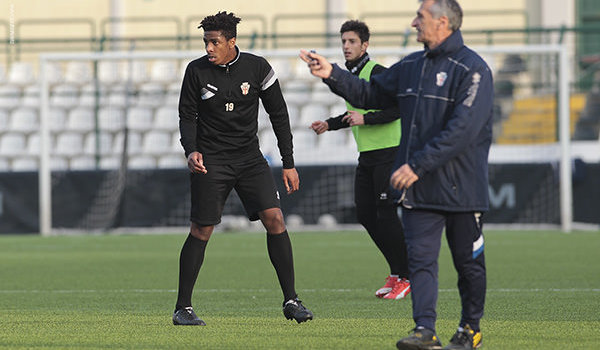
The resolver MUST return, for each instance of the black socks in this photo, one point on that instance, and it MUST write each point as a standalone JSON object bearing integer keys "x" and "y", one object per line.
{"x": 190, "y": 261}
{"x": 280, "y": 253}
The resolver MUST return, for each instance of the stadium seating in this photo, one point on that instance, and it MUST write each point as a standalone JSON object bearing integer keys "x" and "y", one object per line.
{"x": 77, "y": 72}
{"x": 21, "y": 73}
{"x": 64, "y": 96}
{"x": 57, "y": 119}
{"x": 25, "y": 164}
{"x": 31, "y": 96}
{"x": 140, "y": 118}
{"x": 68, "y": 144}
{"x": 156, "y": 142}
{"x": 10, "y": 96}
{"x": 100, "y": 143}
{"x": 24, "y": 120}
{"x": 150, "y": 95}
{"x": 166, "y": 118}
{"x": 164, "y": 71}
{"x": 111, "y": 118}
{"x": 12, "y": 144}
{"x": 81, "y": 119}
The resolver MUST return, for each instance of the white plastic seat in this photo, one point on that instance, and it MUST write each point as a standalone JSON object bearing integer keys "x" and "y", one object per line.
{"x": 311, "y": 113}
{"x": 10, "y": 96}
{"x": 4, "y": 165}
{"x": 98, "y": 143}
{"x": 4, "y": 120}
{"x": 163, "y": 71}
{"x": 135, "y": 72}
{"x": 57, "y": 119}
{"x": 322, "y": 95}
{"x": 59, "y": 163}
{"x": 156, "y": 142}
{"x": 151, "y": 95}
{"x": 54, "y": 73}
{"x": 90, "y": 92}
{"x": 24, "y": 164}
{"x": 81, "y": 119}
{"x": 141, "y": 162}
{"x": 111, "y": 119}
{"x": 77, "y": 72}
{"x": 268, "y": 143}
{"x": 134, "y": 143}
{"x": 85, "y": 162}
{"x": 263, "y": 117}
{"x": 64, "y": 96}
{"x": 176, "y": 142}
{"x": 31, "y": 96}
{"x": 24, "y": 120}
{"x": 21, "y": 73}
{"x": 296, "y": 92}
{"x": 172, "y": 161}
{"x": 140, "y": 118}
{"x": 166, "y": 118}
{"x": 12, "y": 144}
{"x": 68, "y": 144}
{"x": 282, "y": 68}
{"x": 172, "y": 94}
{"x": 118, "y": 96}
{"x": 301, "y": 71}
{"x": 335, "y": 138}
{"x": 113, "y": 162}
{"x": 2, "y": 73}
{"x": 33, "y": 144}
{"x": 108, "y": 72}
{"x": 304, "y": 138}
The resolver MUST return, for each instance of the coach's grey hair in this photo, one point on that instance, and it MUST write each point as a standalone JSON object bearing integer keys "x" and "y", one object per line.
{"x": 450, "y": 9}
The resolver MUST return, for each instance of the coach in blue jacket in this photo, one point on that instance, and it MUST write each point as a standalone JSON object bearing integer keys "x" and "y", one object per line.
{"x": 445, "y": 95}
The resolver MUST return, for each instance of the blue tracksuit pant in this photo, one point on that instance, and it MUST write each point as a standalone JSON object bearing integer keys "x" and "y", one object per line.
{"x": 423, "y": 233}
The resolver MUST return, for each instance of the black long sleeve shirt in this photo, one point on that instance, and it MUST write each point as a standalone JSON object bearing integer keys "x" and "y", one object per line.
{"x": 218, "y": 110}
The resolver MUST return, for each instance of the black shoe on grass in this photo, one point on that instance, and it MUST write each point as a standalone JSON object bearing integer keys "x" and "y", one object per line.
{"x": 187, "y": 317}
{"x": 420, "y": 339}
{"x": 293, "y": 309}
{"x": 465, "y": 339}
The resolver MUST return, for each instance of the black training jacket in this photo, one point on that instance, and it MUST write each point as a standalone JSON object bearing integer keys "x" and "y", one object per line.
{"x": 218, "y": 110}
{"x": 445, "y": 96}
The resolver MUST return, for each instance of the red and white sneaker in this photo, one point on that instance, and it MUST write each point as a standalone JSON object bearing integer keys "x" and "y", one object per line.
{"x": 400, "y": 290}
{"x": 390, "y": 282}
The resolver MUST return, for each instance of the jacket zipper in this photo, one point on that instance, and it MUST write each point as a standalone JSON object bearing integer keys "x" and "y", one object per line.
{"x": 412, "y": 124}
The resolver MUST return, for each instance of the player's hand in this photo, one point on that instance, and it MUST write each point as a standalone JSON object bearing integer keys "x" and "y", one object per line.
{"x": 318, "y": 65}
{"x": 319, "y": 127}
{"x": 196, "y": 163}
{"x": 403, "y": 177}
{"x": 291, "y": 180}
{"x": 354, "y": 118}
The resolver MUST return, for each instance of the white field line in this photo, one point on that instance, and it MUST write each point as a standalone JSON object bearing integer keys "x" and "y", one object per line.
{"x": 324, "y": 290}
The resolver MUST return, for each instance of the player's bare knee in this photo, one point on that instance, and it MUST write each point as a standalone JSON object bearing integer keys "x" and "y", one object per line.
{"x": 272, "y": 220}
{"x": 201, "y": 232}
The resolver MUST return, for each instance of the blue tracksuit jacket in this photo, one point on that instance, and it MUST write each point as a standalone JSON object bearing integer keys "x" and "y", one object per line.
{"x": 445, "y": 96}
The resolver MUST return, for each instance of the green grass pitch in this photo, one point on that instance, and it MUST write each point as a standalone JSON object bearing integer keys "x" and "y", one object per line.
{"x": 118, "y": 292}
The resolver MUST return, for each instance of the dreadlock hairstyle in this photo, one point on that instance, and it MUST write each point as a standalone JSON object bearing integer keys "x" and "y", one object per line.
{"x": 224, "y": 22}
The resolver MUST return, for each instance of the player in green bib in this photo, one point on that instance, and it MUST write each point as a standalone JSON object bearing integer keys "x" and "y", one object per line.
{"x": 377, "y": 135}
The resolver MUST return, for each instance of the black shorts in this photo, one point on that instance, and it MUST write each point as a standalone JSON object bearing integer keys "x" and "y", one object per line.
{"x": 253, "y": 182}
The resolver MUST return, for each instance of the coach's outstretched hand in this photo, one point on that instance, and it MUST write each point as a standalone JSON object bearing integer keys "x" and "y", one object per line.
{"x": 318, "y": 65}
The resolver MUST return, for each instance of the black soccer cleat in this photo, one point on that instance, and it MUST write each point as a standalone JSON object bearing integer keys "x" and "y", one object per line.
{"x": 293, "y": 309}
{"x": 420, "y": 339}
{"x": 465, "y": 339}
{"x": 187, "y": 317}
